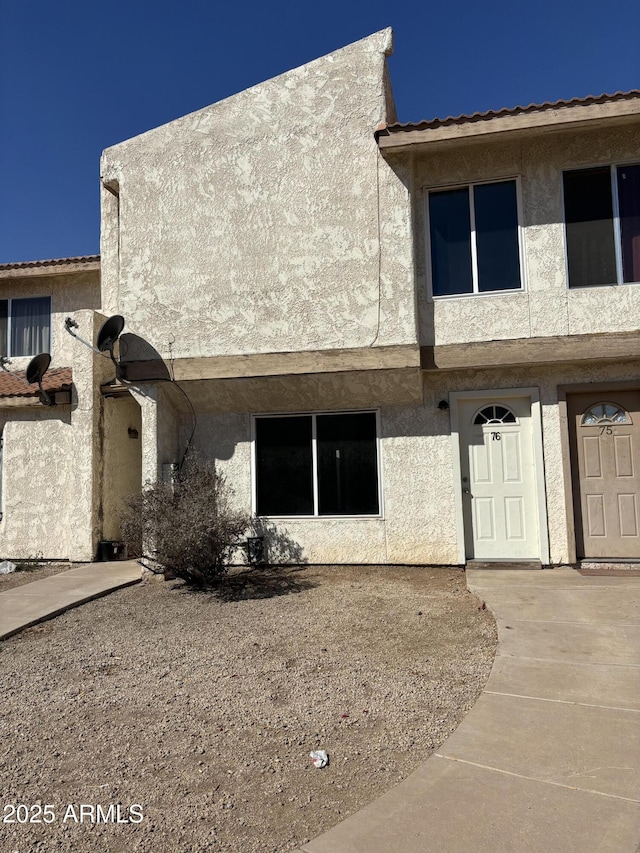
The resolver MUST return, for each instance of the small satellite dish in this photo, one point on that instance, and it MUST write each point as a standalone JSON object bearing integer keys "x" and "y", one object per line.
{"x": 36, "y": 369}
{"x": 110, "y": 332}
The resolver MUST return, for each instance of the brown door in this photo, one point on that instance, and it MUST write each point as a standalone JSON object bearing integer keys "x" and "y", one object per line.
{"x": 604, "y": 432}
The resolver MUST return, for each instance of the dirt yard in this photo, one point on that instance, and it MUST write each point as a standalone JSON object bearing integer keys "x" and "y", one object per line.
{"x": 195, "y": 714}
{"x": 32, "y": 572}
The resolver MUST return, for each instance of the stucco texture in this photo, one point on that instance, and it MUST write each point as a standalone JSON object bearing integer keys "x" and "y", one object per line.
{"x": 414, "y": 526}
{"x": 267, "y": 222}
{"x": 37, "y": 481}
{"x": 418, "y": 522}
{"x": 69, "y": 293}
{"x": 121, "y": 459}
{"x": 51, "y": 471}
{"x": 547, "y": 306}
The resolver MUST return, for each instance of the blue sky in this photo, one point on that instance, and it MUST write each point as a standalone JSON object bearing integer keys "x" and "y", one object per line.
{"x": 77, "y": 77}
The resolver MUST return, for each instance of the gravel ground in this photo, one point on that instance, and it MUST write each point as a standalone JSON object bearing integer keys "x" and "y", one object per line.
{"x": 34, "y": 572}
{"x": 202, "y": 709}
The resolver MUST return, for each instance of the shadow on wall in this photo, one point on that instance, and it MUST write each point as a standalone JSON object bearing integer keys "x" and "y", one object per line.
{"x": 140, "y": 360}
{"x": 280, "y": 548}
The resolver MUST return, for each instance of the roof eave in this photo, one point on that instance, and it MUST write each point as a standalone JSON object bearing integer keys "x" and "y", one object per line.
{"x": 59, "y": 398}
{"x": 62, "y": 266}
{"x": 400, "y": 139}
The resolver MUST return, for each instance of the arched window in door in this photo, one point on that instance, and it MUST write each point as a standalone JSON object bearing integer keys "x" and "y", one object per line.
{"x": 494, "y": 414}
{"x": 604, "y": 413}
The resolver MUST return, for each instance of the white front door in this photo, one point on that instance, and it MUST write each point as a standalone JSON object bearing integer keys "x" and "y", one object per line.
{"x": 498, "y": 479}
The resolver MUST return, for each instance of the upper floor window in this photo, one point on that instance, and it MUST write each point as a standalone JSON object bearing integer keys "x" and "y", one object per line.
{"x": 325, "y": 464}
{"x": 602, "y": 214}
{"x": 25, "y": 326}
{"x": 473, "y": 233}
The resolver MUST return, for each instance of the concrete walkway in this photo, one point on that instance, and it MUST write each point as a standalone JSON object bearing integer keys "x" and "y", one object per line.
{"x": 548, "y": 759}
{"x": 34, "y": 602}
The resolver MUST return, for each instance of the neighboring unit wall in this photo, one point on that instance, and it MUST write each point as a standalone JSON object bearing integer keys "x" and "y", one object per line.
{"x": 37, "y": 483}
{"x": 547, "y": 307}
{"x": 267, "y": 222}
{"x": 69, "y": 293}
{"x": 50, "y": 460}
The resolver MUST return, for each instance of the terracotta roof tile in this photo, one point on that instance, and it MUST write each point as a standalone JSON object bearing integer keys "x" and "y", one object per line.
{"x": 507, "y": 111}
{"x": 53, "y": 262}
{"x": 14, "y": 384}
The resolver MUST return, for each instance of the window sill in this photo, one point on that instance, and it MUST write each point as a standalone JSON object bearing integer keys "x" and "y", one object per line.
{"x": 500, "y": 293}
{"x": 320, "y": 517}
{"x": 614, "y": 284}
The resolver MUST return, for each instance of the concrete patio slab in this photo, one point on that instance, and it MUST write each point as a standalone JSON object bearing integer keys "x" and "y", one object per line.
{"x": 455, "y": 807}
{"x": 548, "y": 759}
{"x": 570, "y": 641}
{"x": 594, "y": 749}
{"x": 561, "y": 578}
{"x": 612, "y": 686}
{"x": 35, "y": 602}
{"x": 602, "y": 605}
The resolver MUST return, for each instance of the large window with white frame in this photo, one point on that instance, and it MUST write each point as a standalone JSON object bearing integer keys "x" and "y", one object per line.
{"x": 316, "y": 464}
{"x": 602, "y": 222}
{"x": 474, "y": 239}
{"x": 25, "y": 326}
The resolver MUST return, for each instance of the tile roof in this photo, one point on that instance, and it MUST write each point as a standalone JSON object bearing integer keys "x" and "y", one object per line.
{"x": 53, "y": 262}
{"x": 14, "y": 384}
{"x": 511, "y": 111}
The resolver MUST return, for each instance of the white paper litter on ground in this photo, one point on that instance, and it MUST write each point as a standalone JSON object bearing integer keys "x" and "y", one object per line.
{"x": 319, "y": 758}
{"x": 7, "y": 567}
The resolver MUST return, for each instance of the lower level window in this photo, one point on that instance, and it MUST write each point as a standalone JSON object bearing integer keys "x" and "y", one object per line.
{"x": 317, "y": 465}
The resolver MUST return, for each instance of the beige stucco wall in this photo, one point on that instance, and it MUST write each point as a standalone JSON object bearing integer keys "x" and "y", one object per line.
{"x": 415, "y": 461}
{"x": 69, "y": 293}
{"x": 37, "y": 480}
{"x": 417, "y": 470}
{"x": 160, "y": 429}
{"x": 121, "y": 460}
{"x": 348, "y": 390}
{"x": 267, "y": 222}
{"x": 547, "y": 307}
{"x": 51, "y": 468}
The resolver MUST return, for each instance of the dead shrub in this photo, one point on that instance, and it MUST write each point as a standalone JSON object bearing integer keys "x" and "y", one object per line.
{"x": 186, "y": 528}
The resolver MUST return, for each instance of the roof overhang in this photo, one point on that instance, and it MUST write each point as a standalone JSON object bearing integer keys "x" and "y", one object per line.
{"x": 59, "y": 398}
{"x": 364, "y": 377}
{"x": 58, "y": 266}
{"x": 511, "y": 124}
{"x": 15, "y": 392}
{"x": 255, "y": 365}
{"x": 596, "y": 348}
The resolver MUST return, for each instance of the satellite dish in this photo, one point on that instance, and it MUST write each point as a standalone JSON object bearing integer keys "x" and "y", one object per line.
{"x": 110, "y": 332}
{"x": 36, "y": 369}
